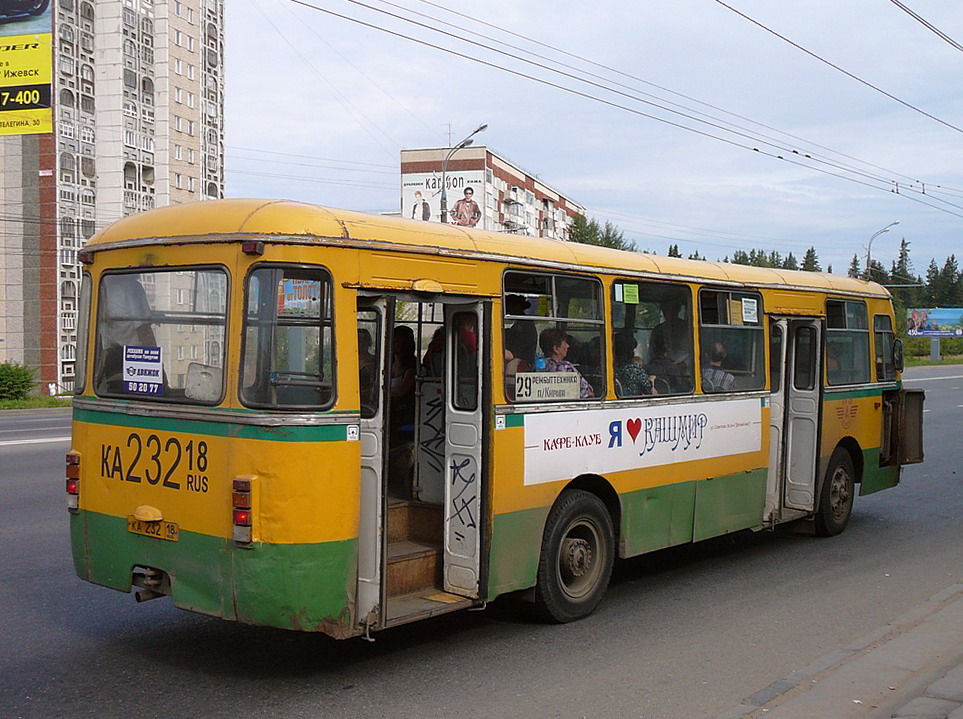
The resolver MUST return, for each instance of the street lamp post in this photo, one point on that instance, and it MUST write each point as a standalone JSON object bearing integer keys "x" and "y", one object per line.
{"x": 869, "y": 247}
{"x": 444, "y": 167}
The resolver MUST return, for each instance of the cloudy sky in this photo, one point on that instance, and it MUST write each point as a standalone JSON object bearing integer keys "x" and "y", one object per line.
{"x": 768, "y": 146}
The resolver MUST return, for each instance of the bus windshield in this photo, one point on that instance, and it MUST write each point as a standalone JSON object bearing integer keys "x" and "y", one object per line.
{"x": 160, "y": 335}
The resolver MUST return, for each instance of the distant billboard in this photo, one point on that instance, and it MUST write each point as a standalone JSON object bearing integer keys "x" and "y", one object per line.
{"x": 935, "y": 322}
{"x": 465, "y": 194}
{"x": 26, "y": 59}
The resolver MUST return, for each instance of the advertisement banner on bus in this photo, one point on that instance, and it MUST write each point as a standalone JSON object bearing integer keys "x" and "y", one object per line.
{"x": 465, "y": 195}
{"x": 934, "y": 322}
{"x": 600, "y": 441}
{"x": 26, "y": 59}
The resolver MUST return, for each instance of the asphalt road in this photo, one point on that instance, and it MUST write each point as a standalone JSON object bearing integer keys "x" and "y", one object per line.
{"x": 682, "y": 633}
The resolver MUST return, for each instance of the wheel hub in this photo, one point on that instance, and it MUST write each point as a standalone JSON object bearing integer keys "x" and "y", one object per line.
{"x": 577, "y": 557}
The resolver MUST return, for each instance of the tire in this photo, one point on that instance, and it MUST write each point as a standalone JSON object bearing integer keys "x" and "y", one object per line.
{"x": 575, "y": 564}
{"x": 38, "y": 7}
{"x": 837, "y": 494}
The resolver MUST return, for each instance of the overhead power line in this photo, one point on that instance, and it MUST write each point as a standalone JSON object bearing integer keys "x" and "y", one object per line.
{"x": 928, "y": 25}
{"x": 790, "y": 156}
{"x": 602, "y": 66}
{"x": 845, "y": 72}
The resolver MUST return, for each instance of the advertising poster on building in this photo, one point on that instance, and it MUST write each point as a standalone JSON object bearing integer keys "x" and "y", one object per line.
{"x": 465, "y": 193}
{"x": 26, "y": 57}
{"x": 935, "y": 322}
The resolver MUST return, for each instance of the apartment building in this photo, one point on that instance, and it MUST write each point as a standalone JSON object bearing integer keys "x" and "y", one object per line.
{"x": 137, "y": 122}
{"x": 507, "y": 198}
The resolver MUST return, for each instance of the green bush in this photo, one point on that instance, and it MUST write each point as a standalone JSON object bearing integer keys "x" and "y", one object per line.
{"x": 16, "y": 380}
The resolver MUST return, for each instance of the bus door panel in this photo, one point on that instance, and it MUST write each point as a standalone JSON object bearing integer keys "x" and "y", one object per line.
{"x": 777, "y": 416}
{"x": 803, "y": 397}
{"x": 464, "y": 429}
{"x": 373, "y": 331}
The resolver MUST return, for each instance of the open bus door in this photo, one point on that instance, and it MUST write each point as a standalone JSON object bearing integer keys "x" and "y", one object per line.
{"x": 464, "y": 459}
{"x": 374, "y": 318}
{"x": 794, "y": 416}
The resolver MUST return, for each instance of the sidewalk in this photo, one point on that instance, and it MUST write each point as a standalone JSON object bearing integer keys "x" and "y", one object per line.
{"x": 910, "y": 669}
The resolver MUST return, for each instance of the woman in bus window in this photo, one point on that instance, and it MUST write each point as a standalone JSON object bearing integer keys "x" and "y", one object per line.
{"x": 632, "y": 378}
{"x": 554, "y": 344}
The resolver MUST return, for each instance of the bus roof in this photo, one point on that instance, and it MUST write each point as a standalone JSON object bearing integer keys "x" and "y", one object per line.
{"x": 198, "y": 221}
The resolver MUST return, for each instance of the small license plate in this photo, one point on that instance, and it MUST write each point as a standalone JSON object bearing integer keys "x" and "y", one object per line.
{"x": 159, "y": 529}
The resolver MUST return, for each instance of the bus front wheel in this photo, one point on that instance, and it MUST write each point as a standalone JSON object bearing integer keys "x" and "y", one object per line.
{"x": 575, "y": 564}
{"x": 836, "y": 498}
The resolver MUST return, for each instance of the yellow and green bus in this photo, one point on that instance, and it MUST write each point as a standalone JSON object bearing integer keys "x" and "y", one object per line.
{"x": 322, "y": 420}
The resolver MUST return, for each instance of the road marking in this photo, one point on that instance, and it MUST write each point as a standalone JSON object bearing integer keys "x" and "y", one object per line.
{"x": 930, "y": 379}
{"x": 45, "y": 440}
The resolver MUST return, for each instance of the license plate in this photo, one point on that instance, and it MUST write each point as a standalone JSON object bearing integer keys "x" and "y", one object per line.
{"x": 159, "y": 529}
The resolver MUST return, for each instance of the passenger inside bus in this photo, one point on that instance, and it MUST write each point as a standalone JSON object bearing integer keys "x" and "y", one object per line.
{"x": 674, "y": 329}
{"x": 402, "y": 383}
{"x": 714, "y": 378}
{"x": 433, "y": 361}
{"x": 554, "y": 344}
{"x": 126, "y": 312}
{"x": 631, "y": 378}
{"x": 367, "y": 369}
{"x": 669, "y": 378}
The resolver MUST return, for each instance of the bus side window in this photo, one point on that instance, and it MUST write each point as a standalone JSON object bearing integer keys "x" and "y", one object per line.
{"x": 732, "y": 341}
{"x": 847, "y": 342}
{"x": 884, "y": 341}
{"x": 651, "y": 338}
{"x": 569, "y": 308}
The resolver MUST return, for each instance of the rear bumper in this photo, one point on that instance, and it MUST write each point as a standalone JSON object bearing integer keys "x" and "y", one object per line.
{"x": 308, "y": 587}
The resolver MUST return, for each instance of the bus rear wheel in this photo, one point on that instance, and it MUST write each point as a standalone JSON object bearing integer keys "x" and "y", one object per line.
{"x": 575, "y": 564}
{"x": 836, "y": 497}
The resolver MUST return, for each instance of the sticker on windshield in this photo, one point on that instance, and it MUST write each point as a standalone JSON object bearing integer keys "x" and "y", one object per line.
{"x": 143, "y": 370}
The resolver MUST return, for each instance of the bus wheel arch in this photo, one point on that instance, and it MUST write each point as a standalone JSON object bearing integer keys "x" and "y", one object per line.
{"x": 577, "y": 551}
{"x": 835, "y": 504}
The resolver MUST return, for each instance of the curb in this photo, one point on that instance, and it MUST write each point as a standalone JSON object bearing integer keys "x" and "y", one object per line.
{"x": 808, "y": 693}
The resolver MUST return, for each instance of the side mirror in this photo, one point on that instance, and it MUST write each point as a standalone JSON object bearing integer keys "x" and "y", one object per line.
{"x": 898, "y": 355}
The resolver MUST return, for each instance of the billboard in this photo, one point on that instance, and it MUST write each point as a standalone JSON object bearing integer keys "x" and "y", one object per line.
{"x": 26, "y": 59}
{"x": 465, "y": 193}
{"x": 935, "y": 322}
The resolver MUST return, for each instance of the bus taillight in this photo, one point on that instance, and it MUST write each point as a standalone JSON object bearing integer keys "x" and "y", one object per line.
{"x": 241, "y": 509}
{"x": 73, "y": 480}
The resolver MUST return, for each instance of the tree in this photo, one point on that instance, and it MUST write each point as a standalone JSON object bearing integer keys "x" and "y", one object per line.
{"x": 810, "y": 261}
{"x": 878, "y": 273}
{"x": 854, "y": 267}
{"x": 901, "y": 273}
{"x": 790, "y": 263}
{"x": 590, "y": 232}
{"x": 950, "y": 286}
{"x": 932, "y": 292}
{"x": 674, "y": 251}
{"x": 696, "y": 256}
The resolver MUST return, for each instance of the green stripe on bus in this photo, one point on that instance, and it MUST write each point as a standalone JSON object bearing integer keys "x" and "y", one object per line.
{"x": 652, "y": 519}
{"x": 216, "y": 428}
{"x": 832, "y": 394}
{"x": 514, "y": 420}
{"x": 290, "y": 586}
{"x": 875, "y": 477}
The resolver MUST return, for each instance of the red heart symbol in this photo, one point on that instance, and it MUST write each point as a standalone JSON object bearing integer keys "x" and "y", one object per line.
{"x": 634, "y": 426}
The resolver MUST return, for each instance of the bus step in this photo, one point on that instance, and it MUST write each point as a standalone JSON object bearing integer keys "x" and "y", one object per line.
{"x": 417, "y": 521}
{"x": 412, "y": 566}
